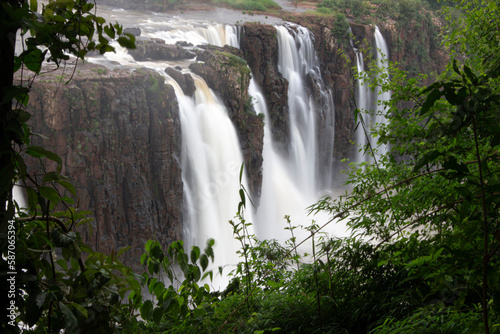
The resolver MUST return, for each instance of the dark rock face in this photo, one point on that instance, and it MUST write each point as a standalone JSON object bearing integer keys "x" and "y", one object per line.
{"x": 134, "y": 31}
{"x": 119, "y": 137}
{"x": 227, "y": 73}
{"x": 260, "y": 48}
{"x": 184, "y": 80}
{"x": 157, "y": 49}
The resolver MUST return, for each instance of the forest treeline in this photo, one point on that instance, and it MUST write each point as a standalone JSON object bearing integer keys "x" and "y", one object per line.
{"x": 424, "y": 252}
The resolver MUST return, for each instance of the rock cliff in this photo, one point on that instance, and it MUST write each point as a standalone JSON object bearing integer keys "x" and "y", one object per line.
{"x": 118, "y": 134}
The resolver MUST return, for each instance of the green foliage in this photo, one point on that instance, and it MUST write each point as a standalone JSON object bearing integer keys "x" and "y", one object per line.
{"x": 352, "y": 8}
{"x": 257, "y": 5}
{"x": 402, "y": 11}
{"x": 185, "y": 298}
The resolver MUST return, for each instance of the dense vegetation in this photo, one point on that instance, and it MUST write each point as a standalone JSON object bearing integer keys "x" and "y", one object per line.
{"x": 423, "y": 258}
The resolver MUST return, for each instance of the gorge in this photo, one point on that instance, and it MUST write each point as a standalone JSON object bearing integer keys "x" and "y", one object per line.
{"x": 156, "y": 153}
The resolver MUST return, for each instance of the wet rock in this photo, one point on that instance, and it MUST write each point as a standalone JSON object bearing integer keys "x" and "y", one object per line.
{"x": 119, "y": 137}
{"x": 184, "y": 80}
{"x": 133, "y": 31}
{"x": 260, "y": 47}
{"x": 156, "y": 49}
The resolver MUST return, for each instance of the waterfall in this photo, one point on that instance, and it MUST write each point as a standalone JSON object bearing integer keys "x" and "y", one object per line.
{"x": 291, "y": 183}
{"x": 293, "y": 65}
{"x": 363, "y": 103}
{"x": 382, "y": 58}
{"x": 366, "y": 99}
{"x": 211, "y": 160}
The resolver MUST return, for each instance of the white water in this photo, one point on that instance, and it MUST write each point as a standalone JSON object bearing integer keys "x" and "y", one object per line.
{"x": 292, "y": 183}
{"x": 211, "y": 160}
{"x": 363, "y": 103}
{"x": 366, "y": 99}
{"x": 293, "y": 63}
{"x": 382, "y": 58}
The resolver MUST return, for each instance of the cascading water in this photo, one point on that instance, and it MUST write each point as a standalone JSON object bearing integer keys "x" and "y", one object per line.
{"x": 211, "y": 160}
{"x": 302, "y": 119}
{"x": 381, "y": 96}
{"x": 291, "y": 183}
{"x": 362, "y": 104}
{"x": 366, "y": 99}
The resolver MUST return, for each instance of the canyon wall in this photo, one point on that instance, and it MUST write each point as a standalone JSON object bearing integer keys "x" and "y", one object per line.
{"x": 118, "y": 134}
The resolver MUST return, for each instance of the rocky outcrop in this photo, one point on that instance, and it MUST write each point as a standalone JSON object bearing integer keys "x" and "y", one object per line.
{"x": 227, "y": 73}
{"x": 184, "y": 80}
{"x": 157, "y": 49}
{"x": 119, "y": 136}
{"x": 260, "y": 48}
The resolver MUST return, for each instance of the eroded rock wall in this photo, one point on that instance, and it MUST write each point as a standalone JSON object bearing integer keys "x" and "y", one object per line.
{"x": 119, "y": 136}
{"x": 259, "y": 44}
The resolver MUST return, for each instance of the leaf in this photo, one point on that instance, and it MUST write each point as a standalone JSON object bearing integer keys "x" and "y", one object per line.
{"x": 452, "y": 164}
{"x": 32, "y": 199}
{"x": 40, "y": 299}
{"x": 22, "y": 115}
{"x": 49, "y": 193}
{"x": 33, "y": 58}
{"x": 426, "y": 158}
{"x": 122, "y": 250}
{"x": 147, "y": 310}
{"x": 157, "y": 315}
{"x": 195, "y": 254}
{"x": 33, "y": 5}
{"x": 110, "y": 31}
{"x": 453, "y": 98}
{"x": 51, "y": 176}
{"x": 68, "y": 316}
{"x": 127, "y": 42}
{"x": 80, "y": 309}
{"x": 241, "y": 171}
{"x": 158, "y": 289}
{"x": 39, "y": 152}
{"x": 272, "y": 284}
{"x": 204, "y": 261}
{"x": 429, "y": 102}
{"x": 68, "y": 186}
